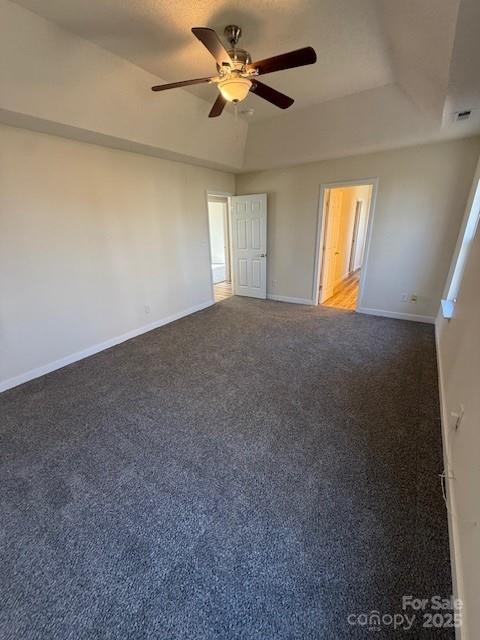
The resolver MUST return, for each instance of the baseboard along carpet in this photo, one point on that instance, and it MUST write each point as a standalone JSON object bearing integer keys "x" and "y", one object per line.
{"x": 257, "y": 470}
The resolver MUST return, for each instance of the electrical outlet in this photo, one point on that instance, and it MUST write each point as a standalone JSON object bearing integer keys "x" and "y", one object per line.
{"x": 274, "y": 284}
{"x": 413, "y": 298}
{"x": 404, "y": 297}
{"x": 147, "y": 308}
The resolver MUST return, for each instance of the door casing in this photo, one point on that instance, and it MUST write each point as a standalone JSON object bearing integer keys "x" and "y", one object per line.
{"x": 321, "y": 227}
{"x": 219, "y": 194}
{"x": 354, "y": 244}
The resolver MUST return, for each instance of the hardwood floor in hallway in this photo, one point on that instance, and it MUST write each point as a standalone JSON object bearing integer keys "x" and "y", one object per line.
{"x": 223, "y": 290}
{"x": 346, "y": 294}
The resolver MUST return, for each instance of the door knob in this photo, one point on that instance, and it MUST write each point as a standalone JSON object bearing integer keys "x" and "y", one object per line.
{"x": 263, "y": 255}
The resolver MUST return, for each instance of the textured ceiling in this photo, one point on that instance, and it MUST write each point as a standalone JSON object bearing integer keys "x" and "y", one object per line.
{"x": 155, "y": 35}
{"x": 390, "y": 73}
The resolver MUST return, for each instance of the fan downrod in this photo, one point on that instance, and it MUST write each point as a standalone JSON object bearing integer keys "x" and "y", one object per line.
{"x": 233, "y": 34}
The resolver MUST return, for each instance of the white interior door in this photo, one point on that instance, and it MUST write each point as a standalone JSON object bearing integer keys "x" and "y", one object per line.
{"x": 249, "y": 245}
{"x": 333, "y": 210}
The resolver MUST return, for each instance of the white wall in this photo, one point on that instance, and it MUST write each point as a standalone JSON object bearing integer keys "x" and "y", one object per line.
{"x": 458, "y": 346}
{"x": 421, "y": 196}
{"x": 88, "y": 237}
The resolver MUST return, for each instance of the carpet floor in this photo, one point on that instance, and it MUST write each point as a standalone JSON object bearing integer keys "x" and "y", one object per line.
{"x": 258, "y": 470}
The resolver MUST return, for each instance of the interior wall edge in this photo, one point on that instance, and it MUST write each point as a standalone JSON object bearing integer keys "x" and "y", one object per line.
{"x": 67, "y": 132}
{"x": 452, "y": 518}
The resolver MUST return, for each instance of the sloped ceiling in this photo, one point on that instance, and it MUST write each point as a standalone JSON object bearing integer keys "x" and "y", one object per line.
{"x": 420, "y": 36}
{"x": 464, "y": 79}
{"x": 156, "y": 36}
{"x": 388, "y": 72}
{"x": 54, "y": 81}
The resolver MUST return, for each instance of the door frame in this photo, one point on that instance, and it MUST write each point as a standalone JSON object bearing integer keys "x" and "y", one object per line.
{"x": 373, "y": 182}
{"x": 219, "y": 194}
{"x": 354, "y": 242}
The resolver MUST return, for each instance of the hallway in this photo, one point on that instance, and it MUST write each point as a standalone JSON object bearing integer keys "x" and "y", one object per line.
{"x": 222, "y": 290}
{"x": 346, "y": 294}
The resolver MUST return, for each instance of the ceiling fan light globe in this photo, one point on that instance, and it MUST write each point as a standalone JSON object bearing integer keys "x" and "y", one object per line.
{"x": 235, "y": 89}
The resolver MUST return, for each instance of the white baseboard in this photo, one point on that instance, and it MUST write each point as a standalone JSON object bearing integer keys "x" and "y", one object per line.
{"x": 397, "y": 315}
{"x": 453, "y": 533}
{"x": 90, "y": 351}
{"x": 274, "y": 296}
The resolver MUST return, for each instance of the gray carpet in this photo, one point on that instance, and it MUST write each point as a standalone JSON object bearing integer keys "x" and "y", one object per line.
{"x": 258, "y": 470}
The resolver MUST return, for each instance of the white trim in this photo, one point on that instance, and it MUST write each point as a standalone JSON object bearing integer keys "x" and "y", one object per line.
{"x": 220, "y": 194}
{"x": 466, "y": 234}
{"x": 317, "y": 260}
{"x": 453, "y": 533}
{"x": 274, "y": 296}
{"x": 397, "y": 315}
{"x": 320, "y": 230}
{"x": 90, "y": 351}
{"x": 228, "y": 196}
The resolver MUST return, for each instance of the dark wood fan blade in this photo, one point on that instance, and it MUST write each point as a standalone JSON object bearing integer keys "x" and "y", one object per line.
{"x": 218, "y": 107}
{"x": 271, "y": 95}
{"x": 209, "y": 38}
{"x": 290, "y": 60}
{"x": 184, "y": 83}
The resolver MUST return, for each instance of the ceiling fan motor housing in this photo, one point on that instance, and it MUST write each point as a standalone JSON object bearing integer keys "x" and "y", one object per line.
{"x": 240, "y": 59}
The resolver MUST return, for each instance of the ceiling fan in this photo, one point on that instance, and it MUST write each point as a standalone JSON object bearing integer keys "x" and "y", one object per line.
{"x": 237, "y": 74}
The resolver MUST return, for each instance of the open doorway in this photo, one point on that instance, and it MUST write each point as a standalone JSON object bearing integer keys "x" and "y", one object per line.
{"x": 342, "y": 247}
{"x": 220, "y": 254}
